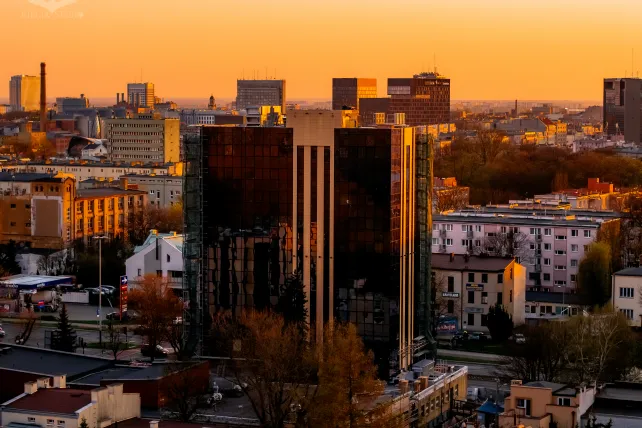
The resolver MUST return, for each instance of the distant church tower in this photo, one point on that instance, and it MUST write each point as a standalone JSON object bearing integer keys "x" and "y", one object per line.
{"x": 212, "y": 104}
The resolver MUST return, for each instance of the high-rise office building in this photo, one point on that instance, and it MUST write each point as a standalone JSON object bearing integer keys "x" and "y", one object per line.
{"x": 71, "y": 104}
{"x": 141, "y": 94}
{"x": 260, "y": 93}
{"x": 424, "y": 99}
{"x": 623, "y": 108}
{"x": 348, "y": 91}
{"x": 24, "y": 93}
{"x": 345, "y": 209}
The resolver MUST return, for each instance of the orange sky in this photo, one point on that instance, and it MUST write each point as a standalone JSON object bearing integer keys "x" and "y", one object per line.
{"x": 491, "y": 49}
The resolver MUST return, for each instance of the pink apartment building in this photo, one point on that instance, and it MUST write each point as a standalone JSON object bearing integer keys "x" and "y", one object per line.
{"x": 550, "y": 247}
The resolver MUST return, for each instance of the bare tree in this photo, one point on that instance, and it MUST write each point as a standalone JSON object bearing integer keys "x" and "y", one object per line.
{"x": 176, "y": 339}
{"x": 115, "y": 342}
{"x": 508, "y": 244}
{"x": 451, "y": 198}
{"x": 185, "y": 388}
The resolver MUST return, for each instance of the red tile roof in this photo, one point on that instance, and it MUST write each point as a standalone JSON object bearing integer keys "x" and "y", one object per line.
{"x": 53, "y": 400}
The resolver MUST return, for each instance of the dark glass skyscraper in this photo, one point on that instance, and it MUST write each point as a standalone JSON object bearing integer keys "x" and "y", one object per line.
{"x": 623, "y": 108}
{"x": 346, "y": 92}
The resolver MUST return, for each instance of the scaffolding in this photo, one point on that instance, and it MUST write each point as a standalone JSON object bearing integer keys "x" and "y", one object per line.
{"x": 194, "y": 295}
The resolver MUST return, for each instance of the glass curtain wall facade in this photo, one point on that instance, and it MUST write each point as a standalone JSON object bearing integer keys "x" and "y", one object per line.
{"x": 348, "y": 91}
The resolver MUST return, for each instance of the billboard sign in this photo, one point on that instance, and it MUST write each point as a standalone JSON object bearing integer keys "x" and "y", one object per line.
{"x": 123, "y": 295}
{"x": 447, "y": 325}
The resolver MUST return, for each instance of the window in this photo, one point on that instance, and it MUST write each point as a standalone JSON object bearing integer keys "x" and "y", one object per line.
{"x": 471, "y": 277}
{"x": 471, "y": 319}
{"x": 477, "y": 242}
{"x": 547, "y": 232}
{"x": 448, "y": 227}
{"x": 547, "y": 247}
{"x": 468, "y": 243}
{"x": 435, "y": 226}
{"x": 500, "y": 298}
{"x": 471, "y": 297}
{"x": 560, "y": 267}
{"x": 484, "y": 298}
{"x": 451, "y": 284}
{"x": 31, "y": 419}
{"x": 13, "y": 205}
{"x": 159, "y": 273}
{"x": 560, "y": 252}
{"x": 50, "y": 421}
{"x": 626, "y": 292}
{"x": 435, "y": 241}
{"x": 13, "y": 223}
{"x": 168, "y": 258}
{"x": 61, "y": 423}
{"x": 500, "y": 278}
{"x": 573, "y": 262}
{"x": 140, "y": 272}
{"x": 28, "y": 206}
{"x": 547, "y": 262}
{"x": 575, "y": 232}
{"x": 448, "y": 242}
{"x": 574, "y": 248}
{"x": 535, "y": 231}
{"x": 563, "y": 401}
{"x": 28, "y": 224}
{"x": 628, "y": 313}
{"x": 532, "y": 246}
{"x": 587, "y": 233}
{"x": 560, "y": 283}
{"x": 560, "y": 237}
{"x": 477, "y": 228}
{"x": 510, "y": 296}
{"x": 485, "y": 278}
{"x": 573, "y": 277}
{"x": 451, "y": 307}
{"x": 466, "y": 228}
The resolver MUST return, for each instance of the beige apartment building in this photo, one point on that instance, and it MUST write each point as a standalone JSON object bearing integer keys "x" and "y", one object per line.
{"x": 468, "y": 286}
{"x": 44, "y": 405}
{"x": 546, "y": 405}
{"x": 144, "y": 138}
{"x": 626, "y": 292}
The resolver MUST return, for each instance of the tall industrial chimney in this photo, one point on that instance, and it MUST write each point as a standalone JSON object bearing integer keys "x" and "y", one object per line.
{"x": 43, "y": 98}
{"x": 117, "y": 98}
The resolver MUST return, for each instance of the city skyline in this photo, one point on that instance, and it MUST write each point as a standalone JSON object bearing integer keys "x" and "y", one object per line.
{"x": 491, "y": 51}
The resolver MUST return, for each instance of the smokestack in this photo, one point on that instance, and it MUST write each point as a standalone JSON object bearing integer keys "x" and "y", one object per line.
{"x": 117, "y": 98}
{"x": 122, "y": 97}
{"x": 43, "y": 97}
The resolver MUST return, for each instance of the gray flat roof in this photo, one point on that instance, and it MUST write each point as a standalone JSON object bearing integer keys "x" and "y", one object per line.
{"x": 560, "y": 298}
{"x": 474, "y": 263}
{"x": 107, "y": 191}
{"x": 550, "y": 211}
{"x": 48, "y": 362}
{"x": 516, "y": 221}
{"x": 632, "y": 271}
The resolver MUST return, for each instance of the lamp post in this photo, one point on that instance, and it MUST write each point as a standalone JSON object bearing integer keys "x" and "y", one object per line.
{"x": 100, "y": 286}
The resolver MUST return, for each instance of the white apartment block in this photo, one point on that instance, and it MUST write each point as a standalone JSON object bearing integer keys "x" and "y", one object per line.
{"x": 626, "y": 294}
{"x": 551, "y": 248}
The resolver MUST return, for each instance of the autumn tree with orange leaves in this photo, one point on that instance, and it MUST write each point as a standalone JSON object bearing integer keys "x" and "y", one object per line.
{"x": 156, "y": 307}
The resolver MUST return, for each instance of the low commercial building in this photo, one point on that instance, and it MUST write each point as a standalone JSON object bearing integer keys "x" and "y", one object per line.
{"x": 547, "y": 306}
{"x": 468, "y": 286}
{"x": 45, "y": 405}
{"x": 626, "y": 294}
{"x": 546, "y": 405}
{"x": 162, "y": 255}
{"x": 164, "y": 191}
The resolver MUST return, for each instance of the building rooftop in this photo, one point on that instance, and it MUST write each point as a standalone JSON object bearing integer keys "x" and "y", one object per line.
{"x": 632, "y": 271}
{"x": 463, "y": 217}
{"x": 22, "y": 281}
{"x": 230, "y": 422}
{"x": 559, "y": 298}
{"x": 469, "y": 263}
{"x": 53, "y": 400}
{"x": 172, "y": 238}
{"x": 557, "y": 388}
{"x": 127, "y": 373}
{"x": 104, "y": 192}
{"x": 27, "y": 177}
{"x": 47, "y": 362}
{"x": 538, "y": 211}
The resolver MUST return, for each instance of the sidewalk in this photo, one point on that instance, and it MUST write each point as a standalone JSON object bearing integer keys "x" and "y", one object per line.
{"x": 467, "y": 355}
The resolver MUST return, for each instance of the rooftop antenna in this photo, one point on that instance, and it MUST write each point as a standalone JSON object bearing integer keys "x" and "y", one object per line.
{"x": 141, "y": 75}
{"x": 632, "y": 66}
{"x": 434, "y": 61}
{"x": 266, "y": 78}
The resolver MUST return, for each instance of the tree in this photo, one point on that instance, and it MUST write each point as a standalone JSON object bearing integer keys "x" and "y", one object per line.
{"x": 594, "y": 274}
{"x": 292, "y": 300}
{"x": 176, "y": 340}
{"x": 115, "y": 341}
{"x": 157, "y": 308}
{"x": 451, "y": 198}
{"x": 500, "y": 323}
{"x": 65, "y": 335}
{"x": 271, "y": 361}
{"x": 164, "y": 220}
{"x": 560, "y": 181}
{"x": 8, "y": 261}
{"x": 348, "y": 384}
{"x": 185, "y": 389}
{"x": 610, "y": 233}
{"x": 442, "y": 306}
{"x": 508, "y": 244}
{"x": 592, "y": 422}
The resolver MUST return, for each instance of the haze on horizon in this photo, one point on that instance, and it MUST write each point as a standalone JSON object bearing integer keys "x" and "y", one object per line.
{"x": 495, "y": 49}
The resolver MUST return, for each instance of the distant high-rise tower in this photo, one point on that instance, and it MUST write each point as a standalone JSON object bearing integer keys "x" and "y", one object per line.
{"x": 423, "y": 98}
{"x": 622, "y": 108}
{"x": 43, "y": 97}
{"x": 212, "y": 103}
{"x": 348, "y": 91}
{"x": 260, "y": 93}
{"x": 141, "y": 94}
{"x": 24, "y": 93}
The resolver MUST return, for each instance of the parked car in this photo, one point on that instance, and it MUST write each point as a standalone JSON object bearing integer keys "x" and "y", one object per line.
{"x": 519, "y": 338}
{"x": 110, "y": 289}
{"x": 95, "y": 290}
{"x": 2, "y": 332}
{"x": 478, "y": 335}
{"x": 159, "y": 352}
{"x": 116, "y": 316}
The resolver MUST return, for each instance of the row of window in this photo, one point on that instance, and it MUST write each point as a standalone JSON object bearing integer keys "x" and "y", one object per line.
{"x": 534, "y": 231}
{"x": 550, "y": 309}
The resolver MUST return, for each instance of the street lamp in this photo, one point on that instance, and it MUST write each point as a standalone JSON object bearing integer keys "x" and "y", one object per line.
{"x": 100, "y": 286}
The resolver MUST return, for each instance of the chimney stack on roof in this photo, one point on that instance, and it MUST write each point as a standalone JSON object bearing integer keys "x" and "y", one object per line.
{"x": 43, "y": 97}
